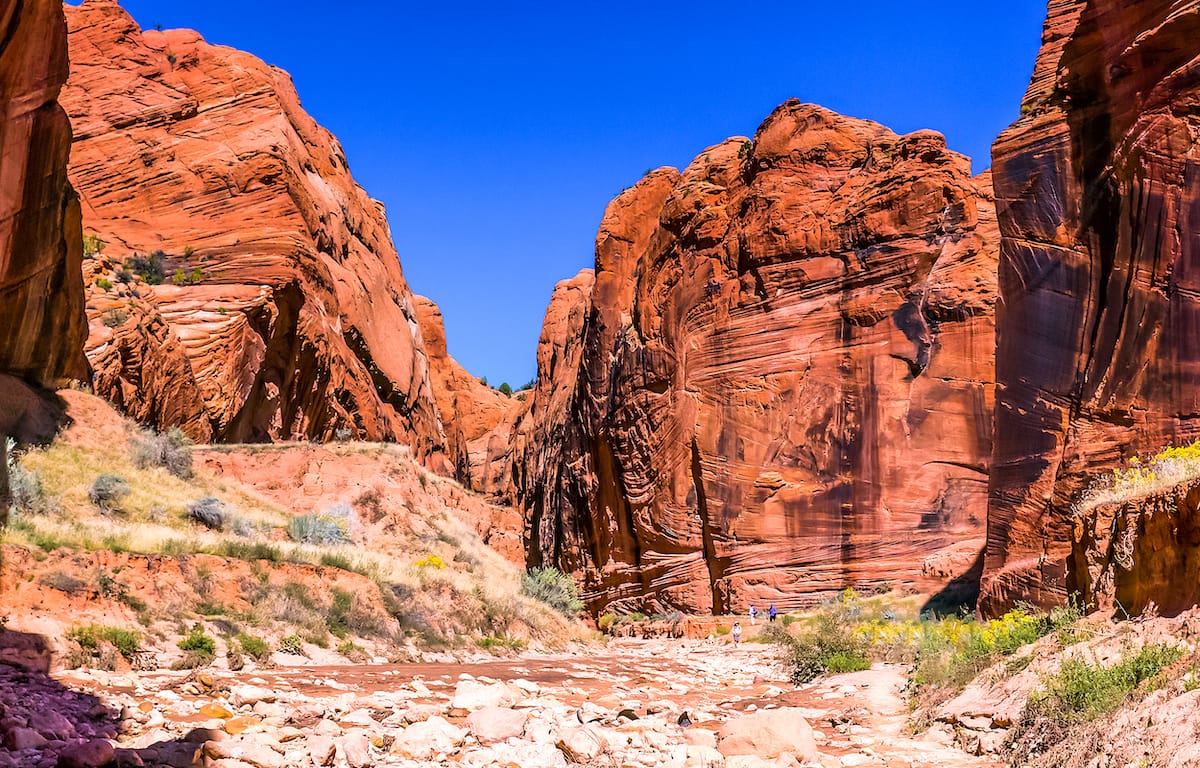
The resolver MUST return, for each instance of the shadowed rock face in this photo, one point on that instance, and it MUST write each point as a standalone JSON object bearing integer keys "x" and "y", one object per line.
{"x": 42, "y": 324}
{"x": 294, "y": 319}
{"x": 1098, "y": 332}
{"x": 781, "y": 382}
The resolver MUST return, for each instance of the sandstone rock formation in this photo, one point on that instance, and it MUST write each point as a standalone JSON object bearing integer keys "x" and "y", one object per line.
{"x": 1097, "y": 360}
{"x": 41, "y": 292}
{"x": 283, "y": 313}
{"x": 781, "y": 384}
{"x": 470, "y": 410}
{"x": 1129, "y": 556}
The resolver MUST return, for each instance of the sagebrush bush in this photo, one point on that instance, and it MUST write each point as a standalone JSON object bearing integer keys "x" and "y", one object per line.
{"x": 171, "y": 450}
{"x": 554, "y": 588}
{"x": 27, "y": 492}
{"x": 330, "y": 526}
{"x": 209, "y": 512}
{"x": 108, "y": 491}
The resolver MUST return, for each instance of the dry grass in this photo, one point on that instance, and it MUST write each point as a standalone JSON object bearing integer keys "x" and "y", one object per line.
{"x": 444, "y": 586}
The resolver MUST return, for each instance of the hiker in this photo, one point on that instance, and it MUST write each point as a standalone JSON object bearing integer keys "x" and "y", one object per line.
{"x": 753, "y": 614}
{"x": 771, "y": 613}
{"x": 737, "y": 632}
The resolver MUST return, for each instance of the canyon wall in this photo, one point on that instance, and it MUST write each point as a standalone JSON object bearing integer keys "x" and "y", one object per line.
{"x": 1098, "y": 327}
{"x": 42, "y": 325}
{"x": 470, "y": 410}
{"x": 243, "y": 287}
{"x": 778, "y": 381}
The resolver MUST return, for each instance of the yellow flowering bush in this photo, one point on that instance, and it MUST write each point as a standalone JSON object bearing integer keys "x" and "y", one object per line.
{"x": 430, "y": 561}
{"x": 1140, "y": 479}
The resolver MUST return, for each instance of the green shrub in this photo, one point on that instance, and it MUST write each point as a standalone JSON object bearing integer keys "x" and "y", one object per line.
{"x": 325, "y": 528}
{"x": 831, "y": 645}
{"x": 346, "y": 615}
{"x": 292, "y": 645}
{"x": 90, "y": 638}
{"x": 171, "y": 450}
{"x": 93, "y": 245}
{"x": 104, "y": 284}
{"x": 554, "y": 588}
{"x": 151, "y": 268}
{"x": 1083, "y": 691}
{"x": 505, "y": 389}
{"x": 108, "y": 491}
{"x": 496, "y": 643}
{"x": 246, "y": 550}
{"x": 254, "y": 647}
{"x": 199, "y": 642}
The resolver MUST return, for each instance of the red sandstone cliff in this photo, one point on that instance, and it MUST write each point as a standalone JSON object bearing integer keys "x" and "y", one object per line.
{"x": 292, "y": 319}
{"x": 780, "y": 385}
{"x": 470, "y": 410}
{"x": 42, "y": 325}
{"x": 1097, "y": 190}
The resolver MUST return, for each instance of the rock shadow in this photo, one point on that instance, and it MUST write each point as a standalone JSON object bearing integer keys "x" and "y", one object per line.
{"x": 44, "y": 723}
{"x": 960, "y": 595}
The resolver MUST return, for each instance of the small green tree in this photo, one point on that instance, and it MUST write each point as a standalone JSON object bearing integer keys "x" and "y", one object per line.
{"x": 505, "y": 389}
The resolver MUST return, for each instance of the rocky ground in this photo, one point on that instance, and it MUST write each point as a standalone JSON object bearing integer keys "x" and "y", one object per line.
{"x": 620, "y": 704}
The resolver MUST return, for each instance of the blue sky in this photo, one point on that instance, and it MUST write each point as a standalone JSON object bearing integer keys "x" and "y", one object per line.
{"x": 496, "y": 133}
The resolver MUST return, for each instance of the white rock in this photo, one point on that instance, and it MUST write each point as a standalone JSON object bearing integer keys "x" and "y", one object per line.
{"x": 768, "y": 734}
{"x": 357, "y": 749}
{"x": 249, "y": 695}
{"x": 491, "y": 724}
{"x": 470, "y": 694}
{"x": 427, "y": 739}
{"x": 703, "y": 757}
{"x": 581, "y": 744}
{"x": 360, "y": 717}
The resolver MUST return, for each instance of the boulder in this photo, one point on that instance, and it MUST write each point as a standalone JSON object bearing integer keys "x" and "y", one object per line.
{"x": 93, "y": 753}
{"x": 471, "y": 695}
{"x": 357, "y": 749}
{"x": 322, "y": 749}
{"x": 491, "y": 724}
{"x": 582, "y": 744}
{"x": 427, "y": 739}
{"x": 769, "y": 734}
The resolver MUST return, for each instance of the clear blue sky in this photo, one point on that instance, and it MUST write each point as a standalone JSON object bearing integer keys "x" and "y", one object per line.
{"x": 496, "y": 133}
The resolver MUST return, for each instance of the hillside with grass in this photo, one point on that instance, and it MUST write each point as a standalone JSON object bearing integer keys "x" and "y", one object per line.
{"x": 130, "y": 547}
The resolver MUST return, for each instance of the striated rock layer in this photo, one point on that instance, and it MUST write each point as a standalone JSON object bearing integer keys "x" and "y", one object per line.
{"x": 1129, "y": 556}
{"x": 778, "y": 382}
{"x": 1097, "y": 352}
{"x": 42, "y": 325}
{"x": 284, "y": 313}
{"x": 470, "y": 410}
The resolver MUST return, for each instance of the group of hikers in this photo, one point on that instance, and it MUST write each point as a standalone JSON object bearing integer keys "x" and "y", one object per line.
{"x": 737, "y": 625}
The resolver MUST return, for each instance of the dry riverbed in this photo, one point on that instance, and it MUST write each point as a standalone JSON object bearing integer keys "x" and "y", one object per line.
{"x": 614, "y": 705}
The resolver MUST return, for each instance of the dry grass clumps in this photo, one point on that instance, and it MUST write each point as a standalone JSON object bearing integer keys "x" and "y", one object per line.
{"x": 429, "y": 580}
